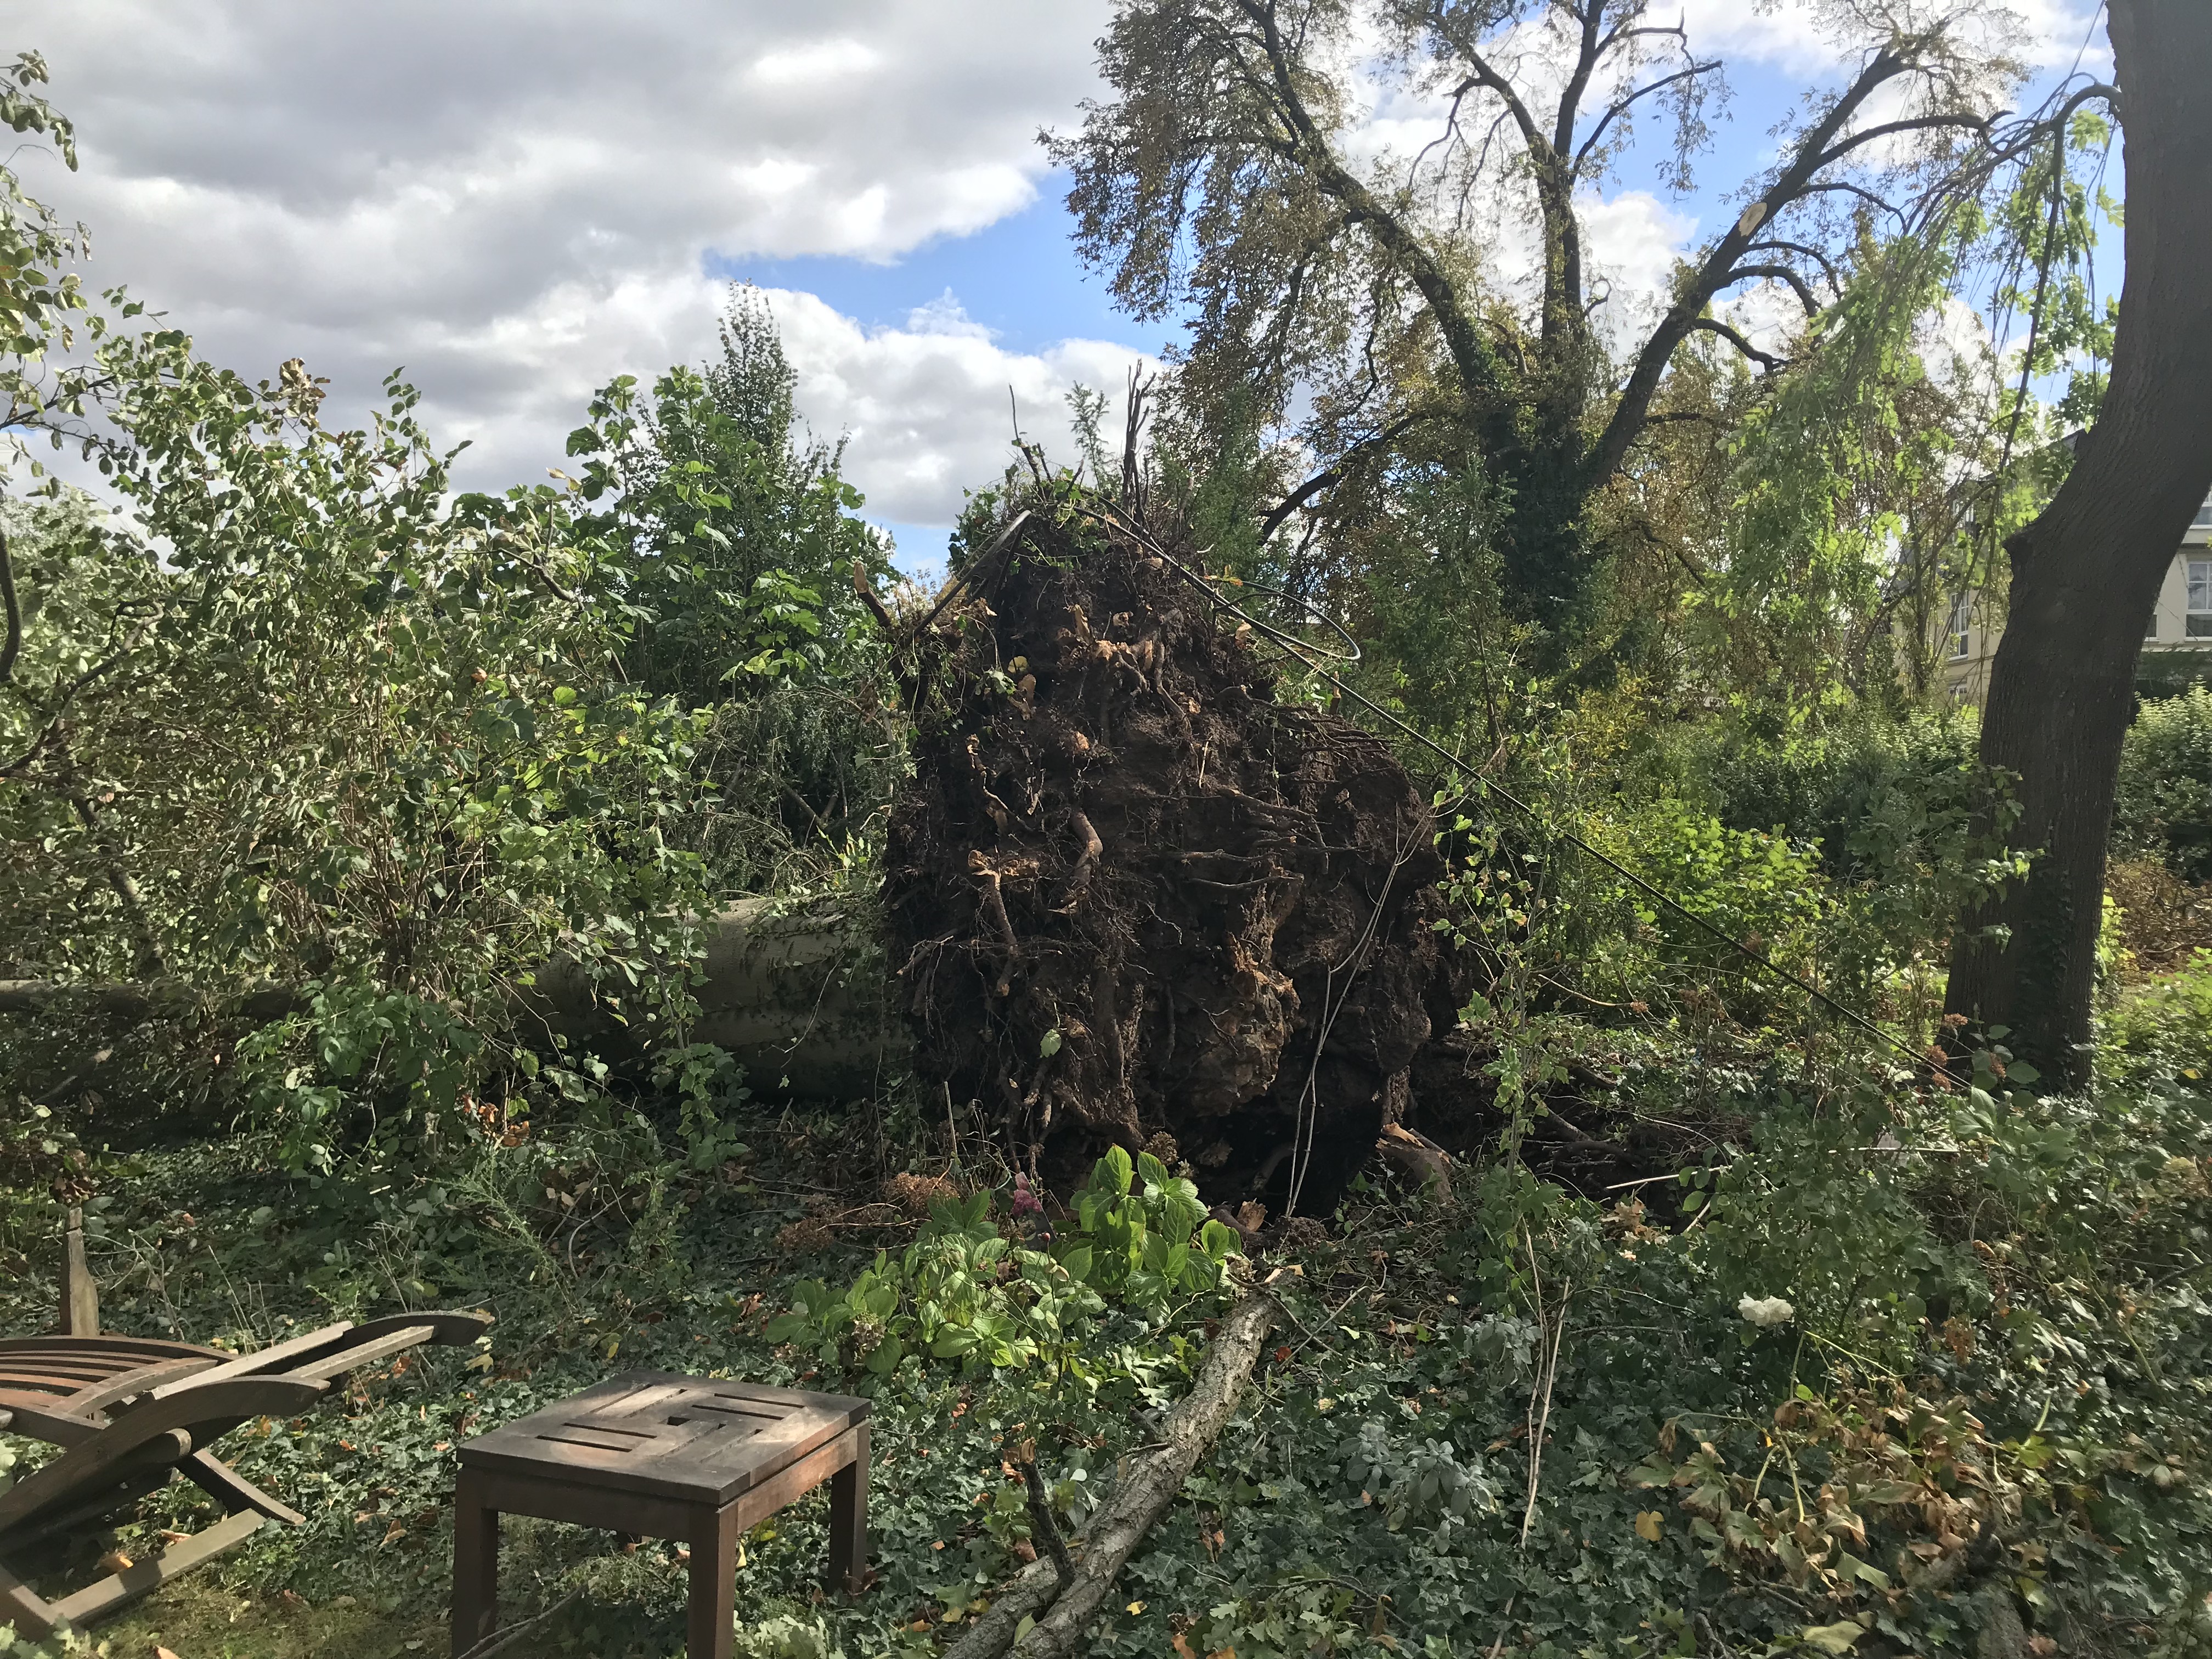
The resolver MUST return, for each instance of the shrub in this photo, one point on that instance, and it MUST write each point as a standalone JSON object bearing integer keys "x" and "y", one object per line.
{"x": 2164, "y": 804}
{"x": 964, "y": 1291}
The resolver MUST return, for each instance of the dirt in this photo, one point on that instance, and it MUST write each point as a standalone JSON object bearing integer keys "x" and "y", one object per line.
{"x": 1133, "y": 890}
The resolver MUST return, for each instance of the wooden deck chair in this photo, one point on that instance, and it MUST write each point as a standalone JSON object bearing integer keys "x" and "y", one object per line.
{"x": 129, "y": 1411}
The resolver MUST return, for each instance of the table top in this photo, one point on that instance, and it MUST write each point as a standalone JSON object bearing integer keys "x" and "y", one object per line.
{"x": 696, "y": 1438}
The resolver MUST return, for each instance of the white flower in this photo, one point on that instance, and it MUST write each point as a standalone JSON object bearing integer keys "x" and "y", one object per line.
{"x": 1765, "y": 1310}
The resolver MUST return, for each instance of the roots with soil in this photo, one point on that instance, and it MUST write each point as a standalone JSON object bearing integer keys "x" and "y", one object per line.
{"x": 1130, "y": 892}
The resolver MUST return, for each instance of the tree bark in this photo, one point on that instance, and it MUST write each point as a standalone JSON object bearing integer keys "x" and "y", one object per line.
{"x": 1147, "y": 1484}
{"x": 2086, "y": 573}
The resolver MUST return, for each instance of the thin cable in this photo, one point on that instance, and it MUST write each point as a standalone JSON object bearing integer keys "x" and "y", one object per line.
{"x": 1457, "y": 767}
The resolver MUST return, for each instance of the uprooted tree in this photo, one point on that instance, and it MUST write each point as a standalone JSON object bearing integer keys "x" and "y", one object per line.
{"x": 1132, "y": 890}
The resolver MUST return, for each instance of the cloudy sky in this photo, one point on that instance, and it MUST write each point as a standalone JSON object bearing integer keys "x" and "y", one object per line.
{"x": 517, "y": 199}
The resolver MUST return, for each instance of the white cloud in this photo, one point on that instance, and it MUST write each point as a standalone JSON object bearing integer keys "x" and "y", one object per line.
{"x": 927, "y": 406}
{"x": 517, "y": 199}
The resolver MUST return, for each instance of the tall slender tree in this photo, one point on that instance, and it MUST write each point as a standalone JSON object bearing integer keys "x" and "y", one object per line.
{"x": 2086, "y": 572}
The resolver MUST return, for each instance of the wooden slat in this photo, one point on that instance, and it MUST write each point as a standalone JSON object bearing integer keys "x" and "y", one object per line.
{"x": 302, "y": 1356}
{"x": 24, "y": 1609}
{"x": 572, "y": 1500}
{"x": 64, "y": 1371}
{"x": 80, "y": 1290}
{"x": 212, "y": 1475}
{"x": 352, "y": 1357}
{"x": 55, "y": 1428}
{"x": 152, "y": 1347}
{"x": 262, "y": 1360}
{"x": 144, "y": 1378}
{"x": 448, "y": 1328}
{"x": 798, "y": 1478}
{"x": 97, "y": 1462}
{"x": 98, "y": 1600}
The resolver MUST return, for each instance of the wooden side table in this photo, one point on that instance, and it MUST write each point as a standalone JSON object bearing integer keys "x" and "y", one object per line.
{"x": 665, "y": 1456}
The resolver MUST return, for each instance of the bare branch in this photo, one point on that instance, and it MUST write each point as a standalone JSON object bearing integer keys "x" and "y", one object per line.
{"x": 1334, "y": 475}
{"x": 14, "y": 645}
{"x": 1916, "y": 123}
{"x": 1686, "y": 315}
{"x": 1827, "y": 266}
{"x": 1715, "y": 326}
{"x": 1844, "y": 187}
{"x": 1471, "y": 353}
{"x": 1620, "y": 106}
{"x": 1780, "y": 274}
{"x": 1586, "y": 60}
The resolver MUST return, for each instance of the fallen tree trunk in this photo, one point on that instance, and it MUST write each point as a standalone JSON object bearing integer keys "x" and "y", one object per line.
{"x": 797, "y": 1000}
{"x": 135, "y": 1001}
{"x": 1147, "y": 1484}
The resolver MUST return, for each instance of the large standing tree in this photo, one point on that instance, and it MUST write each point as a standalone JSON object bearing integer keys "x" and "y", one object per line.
{"x": 2086, "y": 573}
{"x": 1352, "y": 298}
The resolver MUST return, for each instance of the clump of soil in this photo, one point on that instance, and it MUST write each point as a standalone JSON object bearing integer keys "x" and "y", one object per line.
{"x": 1129, "y": 891}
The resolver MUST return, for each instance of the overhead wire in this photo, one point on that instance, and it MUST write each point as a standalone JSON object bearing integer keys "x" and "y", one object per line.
{"x": 1297, "y": 650}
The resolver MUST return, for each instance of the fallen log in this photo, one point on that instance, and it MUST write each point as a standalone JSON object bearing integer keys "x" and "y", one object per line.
{"x": 797, "y": 1000}
{"x": 1147, "y": 1485}
{"x": 132, "y": 1002}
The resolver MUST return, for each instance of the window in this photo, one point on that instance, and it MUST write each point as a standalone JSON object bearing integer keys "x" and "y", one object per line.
{"x": 2200, "y": 599}
{"x": 2204, "y": 516}
{"x": 1962, "y": 614}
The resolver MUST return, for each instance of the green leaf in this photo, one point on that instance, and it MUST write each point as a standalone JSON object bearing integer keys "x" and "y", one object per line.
{"x": 1113, "y": 1171}
{"x": 1838, "y": 1637}
{"x": 1048, "y": 1045}
{"x": 1220, "y": 1241}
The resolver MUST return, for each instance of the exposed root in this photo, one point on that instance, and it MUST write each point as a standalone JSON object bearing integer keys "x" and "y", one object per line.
{"x": 1133, "y": 892}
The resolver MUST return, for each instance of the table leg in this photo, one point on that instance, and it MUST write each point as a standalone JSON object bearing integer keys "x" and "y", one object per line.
{"x": 713, "y": 1582}
{"x": 848, "y": 1519}
{"x": 476, "y": 1566}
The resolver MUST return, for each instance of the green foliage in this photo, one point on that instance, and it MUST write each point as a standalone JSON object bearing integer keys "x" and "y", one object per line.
{"x": 343, "y": 738}
{"x": 2164, "y": 802}
{"x": 729, "y": 545}
{"x": 963, "y": 1291}
{"x": 43, "y": 307}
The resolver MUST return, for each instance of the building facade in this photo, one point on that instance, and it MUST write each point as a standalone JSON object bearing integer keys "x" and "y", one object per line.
{"x": 2177, "y": 646}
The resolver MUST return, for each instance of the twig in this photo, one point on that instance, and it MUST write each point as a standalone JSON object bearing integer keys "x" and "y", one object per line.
{"x": 14, "y": 643}
{"x": 1547, "y": 1371}
{"x": 1498, "y": 1646}
{"x": 1040, "y": 1520}
{"x": 501, "y": 1640}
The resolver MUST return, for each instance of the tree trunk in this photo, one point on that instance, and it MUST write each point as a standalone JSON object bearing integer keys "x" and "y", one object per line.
{"x": 2086, "y": 573}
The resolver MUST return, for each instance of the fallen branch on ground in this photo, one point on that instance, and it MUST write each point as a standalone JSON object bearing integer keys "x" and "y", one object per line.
{"x": 1147, "y": 1484}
